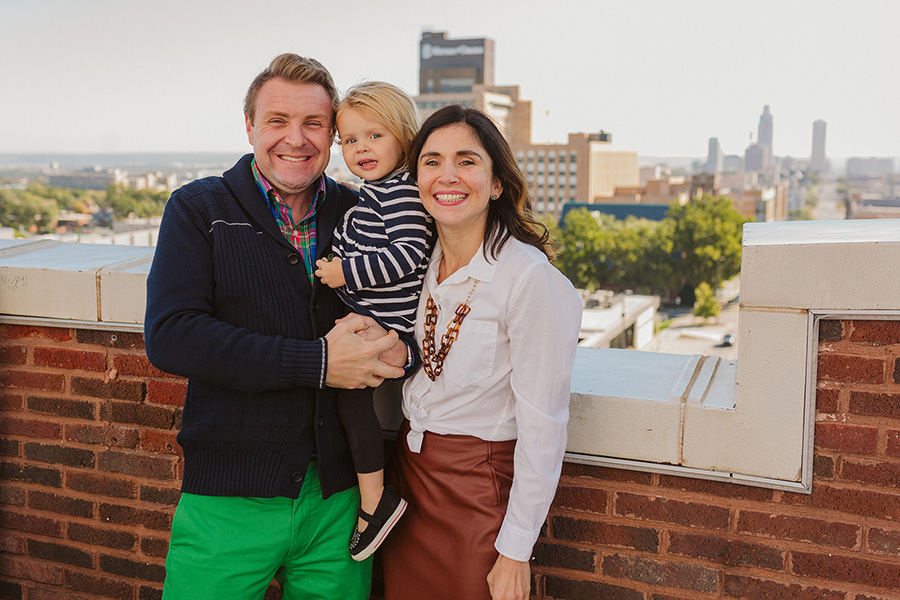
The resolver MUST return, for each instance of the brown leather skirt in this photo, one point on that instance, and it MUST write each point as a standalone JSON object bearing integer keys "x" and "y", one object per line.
{"x": 457, "y": 489}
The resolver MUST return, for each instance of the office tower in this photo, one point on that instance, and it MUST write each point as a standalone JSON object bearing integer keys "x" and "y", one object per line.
{"x": 817, "y": 162}
{"x": 766, "y": 129}
{"x": 715, "y": 160}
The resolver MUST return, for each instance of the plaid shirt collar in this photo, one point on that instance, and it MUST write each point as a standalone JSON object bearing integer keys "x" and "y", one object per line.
{"x": 300, "y": 234}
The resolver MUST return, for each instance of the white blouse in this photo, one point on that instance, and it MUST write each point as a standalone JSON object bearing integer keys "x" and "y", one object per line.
{"x": 507, "y": 376}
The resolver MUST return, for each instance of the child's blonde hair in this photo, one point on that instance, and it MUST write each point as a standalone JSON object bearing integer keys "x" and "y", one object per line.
{"x": 390, "y": 106}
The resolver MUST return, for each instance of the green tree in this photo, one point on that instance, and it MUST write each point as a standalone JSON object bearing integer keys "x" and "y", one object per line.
{"x": 706, "y": 241}
{"x": 126, "y": 202}
{"x": 706, "y": 306}
{"x": 583, "y": 249}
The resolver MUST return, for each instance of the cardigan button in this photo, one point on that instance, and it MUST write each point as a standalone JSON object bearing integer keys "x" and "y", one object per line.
{"x": 293, "y": 259}
{"x": 320, "y": 422}
{"x": 297, "y": 477}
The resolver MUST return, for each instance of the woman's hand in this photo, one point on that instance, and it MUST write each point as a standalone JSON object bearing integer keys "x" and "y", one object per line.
{"x": 330, "y": 272}
{"x": 509, "y": 579}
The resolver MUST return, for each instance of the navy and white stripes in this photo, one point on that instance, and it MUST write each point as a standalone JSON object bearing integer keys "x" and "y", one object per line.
{"x": 385, "y": 242}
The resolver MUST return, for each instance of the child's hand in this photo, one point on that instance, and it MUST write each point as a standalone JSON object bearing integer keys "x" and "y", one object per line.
{"x": 330, "y": 272}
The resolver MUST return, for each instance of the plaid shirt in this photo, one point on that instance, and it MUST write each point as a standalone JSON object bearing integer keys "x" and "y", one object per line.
{"x": 302, "y": 235}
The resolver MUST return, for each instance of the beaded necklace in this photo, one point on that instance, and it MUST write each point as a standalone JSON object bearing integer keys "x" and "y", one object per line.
{"x": 429, "y": 353}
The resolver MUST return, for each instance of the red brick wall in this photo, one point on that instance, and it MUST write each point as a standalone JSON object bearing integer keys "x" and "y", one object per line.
{"x": 639, "y": 536}
{"x": 90, "y": 475}
{"x": 89, "y": 465}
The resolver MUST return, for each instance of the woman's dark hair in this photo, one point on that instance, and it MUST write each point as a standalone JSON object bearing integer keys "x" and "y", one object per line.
{"x": 511, "y": 214}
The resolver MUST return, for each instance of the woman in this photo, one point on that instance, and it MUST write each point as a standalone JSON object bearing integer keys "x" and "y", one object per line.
{"x": 481, "y": 448}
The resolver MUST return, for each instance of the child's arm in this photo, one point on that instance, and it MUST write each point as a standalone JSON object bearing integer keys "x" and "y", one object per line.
{"x": 330, "y": 272}
{"x": 407, "y": 227}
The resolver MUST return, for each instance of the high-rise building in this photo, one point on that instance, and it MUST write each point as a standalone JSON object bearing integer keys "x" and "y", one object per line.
{"x": 818, "y": 162}
{"x": 461, "y": 71}
{"x": 766, "y": 129}
{"x": 715, "y": 160}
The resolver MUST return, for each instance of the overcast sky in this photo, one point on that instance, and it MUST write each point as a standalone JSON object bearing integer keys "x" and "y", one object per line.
{"x": 663, "y": 76}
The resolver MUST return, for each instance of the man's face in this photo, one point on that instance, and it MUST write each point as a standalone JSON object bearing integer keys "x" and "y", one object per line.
{"x": 291, "y": 136}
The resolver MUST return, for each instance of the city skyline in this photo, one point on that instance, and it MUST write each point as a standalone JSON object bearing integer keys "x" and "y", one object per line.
{"x": 662, "y": 77}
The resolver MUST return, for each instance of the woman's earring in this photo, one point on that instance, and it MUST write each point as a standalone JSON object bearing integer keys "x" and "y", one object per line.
{"x": 494, "y": 197}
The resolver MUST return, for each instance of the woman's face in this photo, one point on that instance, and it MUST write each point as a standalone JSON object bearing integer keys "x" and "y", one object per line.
{"x": 456, "y": 179}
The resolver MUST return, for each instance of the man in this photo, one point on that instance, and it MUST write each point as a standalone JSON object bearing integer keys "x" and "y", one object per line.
{"x": 268, "y": 487}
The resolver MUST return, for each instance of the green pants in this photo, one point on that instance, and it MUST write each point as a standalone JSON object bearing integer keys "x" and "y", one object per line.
{"x": 228, "y": 548}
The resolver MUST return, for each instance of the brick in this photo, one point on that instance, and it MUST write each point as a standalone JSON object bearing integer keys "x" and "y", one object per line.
{"x": 101, "y": 485}
{"x": 60, "y": 455}
{"x": 67, "y": 358}
{"x": 161, "y": 442}
{"x": 847, "y": 367}
{"x": 11, "y": 401}
{"x": 568, "y": 589}
{"x": 605, "y": 534}
{"x": 827, "y": 399}
{"x": 111, "y": 339}
{"x": 893, "y": 442}
{"x": 11, "y": 590}
{"x": 690, "y": 514}
{"x": 128, "y": 463}
{"x": 101, "y": 536}
{"x": 656, "y": 572}
{"x": 65, "y": 505}
{"x": 129, "y": 515}
{"x": 63, "y": 407}
{"x": 132, "y": 568}
{"x": 715, "y": 488}
{"x": 723, "y": 551}
{"x": 875, "y": 404}
{"x": 10, "y": 447}
{"x": 799, "y": 529}
{"x": 884, "y": 541}
{"x": 598, "y": 473}
{"x": 12, "y": 544}
{"x": 740, "y": 586}
{"x": 877, "y": 473}
{"x": 136, "y": 365}
{"x": 160, "y": 495}
{"x": 32, "y": 524}
{"x": 13, "y": 355}
{"x": 30, "y": 428}
{"x": 30, "y": 570}
{"x": 155, "y": 547}
{"x": 32, "y": 331}
{"x": 32, "y": 380}
{"x": 114, "y": 388}
{"x": 897, "y": 370}
{"x": 849, "y": 500}
{"x": 10, "y": 495}
{"x": 166, "y": 392}
{"x": 31, "y": 474}
{"x": 870, "y": 573}
{"x": 149, "y": 593}
{"x": 823, "y": 466}
{"x": 830, "y": 330}
{"x": 51, "y": 594}
{"x": 581, "y": 499}
{"x": 144, "y": 415}
{"x": 116, "y": 436}
{"x": 846, "y": 438}
{"x": 103, "y": 586}
{"x": 876, "y": 332}
{"x": 564, "y": 557}
{"x": 60, "y": 553}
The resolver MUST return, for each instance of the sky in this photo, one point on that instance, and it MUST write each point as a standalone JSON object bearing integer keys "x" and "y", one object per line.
{"x": 663, "y": 76}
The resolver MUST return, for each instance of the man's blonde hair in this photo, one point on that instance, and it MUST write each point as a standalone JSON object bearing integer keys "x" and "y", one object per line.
{"x": 293, "y": 69}
{"x": 387, "y": 104}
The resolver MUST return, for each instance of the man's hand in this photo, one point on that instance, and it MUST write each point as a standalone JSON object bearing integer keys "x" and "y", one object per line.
{"x": 330, "y": 272}
{"x": 509, "y": 579}
{"x": 355, "y": 346}
{"x": 395, "y": 356}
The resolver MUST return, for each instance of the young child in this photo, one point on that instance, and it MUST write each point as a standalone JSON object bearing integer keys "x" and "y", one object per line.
{"x": 381, "y": 252}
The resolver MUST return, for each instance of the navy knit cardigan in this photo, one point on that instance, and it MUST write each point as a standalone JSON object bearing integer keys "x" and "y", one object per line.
{"x": 230, "y": 306}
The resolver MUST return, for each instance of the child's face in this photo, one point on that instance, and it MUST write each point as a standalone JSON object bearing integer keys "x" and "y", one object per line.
{"x": 369, "y": 149}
